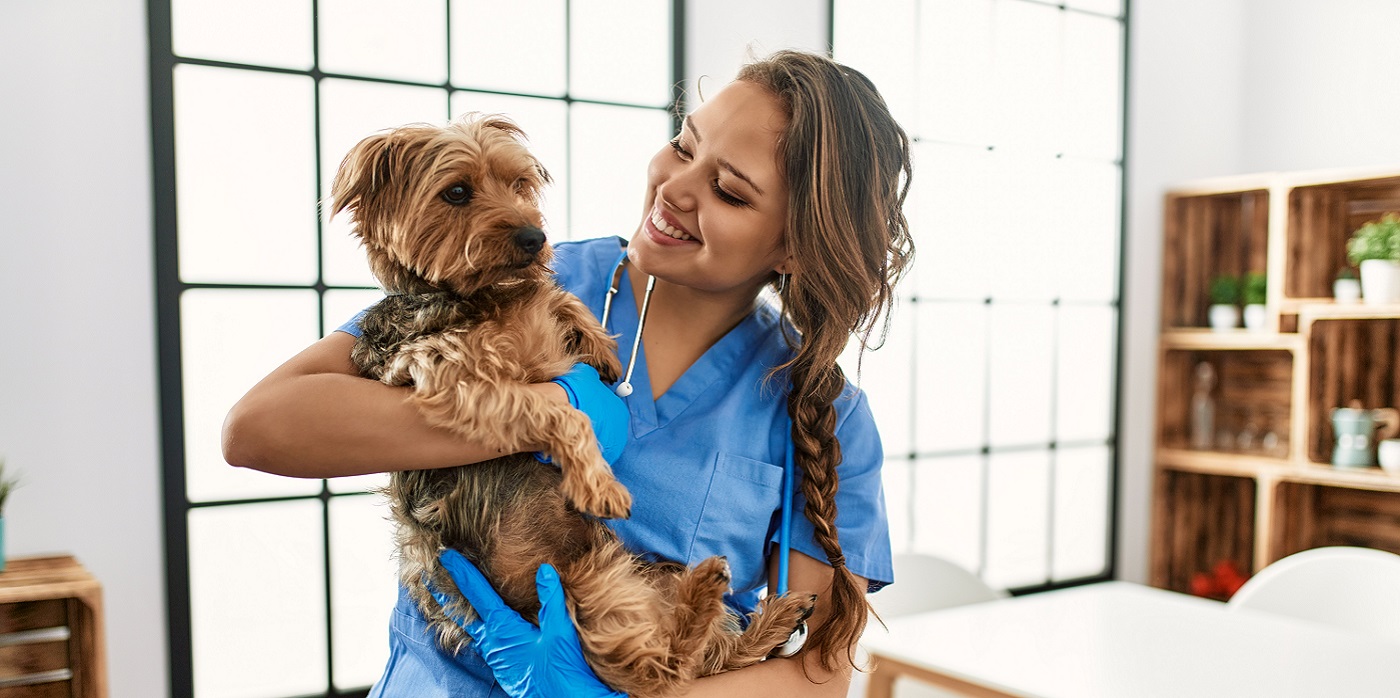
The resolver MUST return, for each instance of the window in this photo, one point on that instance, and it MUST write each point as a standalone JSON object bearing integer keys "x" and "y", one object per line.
{"x": 996, "y": 389}
{"x": 277, "y": 586}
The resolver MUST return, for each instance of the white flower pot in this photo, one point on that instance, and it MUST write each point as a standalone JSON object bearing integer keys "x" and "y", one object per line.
{"x": 1255, "y": 316}
{"x": 1380, "y": 281}
{"x": 1224, "y": 317}
{"x": 1346, "y": 290}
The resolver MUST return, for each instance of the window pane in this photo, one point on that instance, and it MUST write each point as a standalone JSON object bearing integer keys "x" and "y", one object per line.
{"x": 1081, "y": 511}
{"x": 1028, "y": 57}
{"x": 611, "y": 147}
{"x": 1020, "y": 235}
{"x": 240, "y": 220}
{"x": 948, "y": 510}
{"x": 1093, "y": 86}
{"x": 951, "y": 399}
{"x": 1085, "y": 377}
{"x": 1020, "y": 371}
{"x": 258, "y": 600}
{"x": 884, "y": 376}
{"x": 1018, "y": 497}
{"x": 488, "y": 38}
{"x": 546, "y": 123}
{"x": 366, "y": 37}
{"x": 952, "y": 199}
{"x": 1108, "y": 7}
{"x": 1087, "y": 268}
{"x": 352, "y": 110}
{"x": 259, "y": 32}
{"x": 229, "y": 340}
{"x": 897, "y": 476}
{"x": 957, "y": 80}
{"x": 364, "y": 587}
{"x": 620, "y": 51}
{"x": 880, "y": 39}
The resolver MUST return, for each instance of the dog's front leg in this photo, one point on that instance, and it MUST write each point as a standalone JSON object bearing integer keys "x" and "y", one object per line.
{"x": 587, "y": 338}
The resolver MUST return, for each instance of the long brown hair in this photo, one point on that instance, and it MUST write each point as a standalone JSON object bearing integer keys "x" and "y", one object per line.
{"x": 847, "y": 166}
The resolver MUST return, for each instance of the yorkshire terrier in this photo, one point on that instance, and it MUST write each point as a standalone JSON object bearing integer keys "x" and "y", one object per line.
{"x": 449, "y": 217}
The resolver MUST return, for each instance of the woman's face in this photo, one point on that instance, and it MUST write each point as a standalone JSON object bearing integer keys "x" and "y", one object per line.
{"x": 717, "y": 200}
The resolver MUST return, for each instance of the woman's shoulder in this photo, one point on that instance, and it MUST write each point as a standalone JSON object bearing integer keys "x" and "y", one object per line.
{"x": 779, "y": 345}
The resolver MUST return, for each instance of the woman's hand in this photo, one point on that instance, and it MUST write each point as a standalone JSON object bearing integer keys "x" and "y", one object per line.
{"x": 604, "y": 408}
{"x": 527, "y": 660}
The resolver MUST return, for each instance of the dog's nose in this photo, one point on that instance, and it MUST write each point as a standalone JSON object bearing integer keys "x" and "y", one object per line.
{"x": 529, "y": 239}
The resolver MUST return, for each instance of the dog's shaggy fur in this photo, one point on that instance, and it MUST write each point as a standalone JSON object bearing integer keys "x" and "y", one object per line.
{"x": 450, "y": 220}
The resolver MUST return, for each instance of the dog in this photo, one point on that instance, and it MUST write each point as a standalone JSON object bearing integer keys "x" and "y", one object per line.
{"x": 449, "y": 218}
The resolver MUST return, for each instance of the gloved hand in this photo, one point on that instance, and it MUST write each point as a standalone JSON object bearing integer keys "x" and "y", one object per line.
{"x": 528, "y": 661}
{"x": 607, "y": 411}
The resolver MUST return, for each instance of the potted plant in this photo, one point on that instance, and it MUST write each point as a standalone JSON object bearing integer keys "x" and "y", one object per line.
{"x": 7, "y": 484}
{"x": 1347, "y": 288}
{"x": 1375, "y": 247}
{"x": 1256, "y": 287}
{"x": 1224, "y": 302}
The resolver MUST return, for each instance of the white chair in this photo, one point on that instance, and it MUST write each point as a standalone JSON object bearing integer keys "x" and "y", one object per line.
{"x": 922, "y": 583}
{"x": 1353, "y": 588}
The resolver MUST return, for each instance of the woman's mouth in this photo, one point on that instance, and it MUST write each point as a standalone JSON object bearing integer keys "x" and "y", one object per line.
{"x": 667, "y": 229}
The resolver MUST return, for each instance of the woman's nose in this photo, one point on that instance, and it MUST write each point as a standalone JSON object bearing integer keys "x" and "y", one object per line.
{"x": 678, "y": 189}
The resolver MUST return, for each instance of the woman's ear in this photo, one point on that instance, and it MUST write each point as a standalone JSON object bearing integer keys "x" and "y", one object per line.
{"x": 786, "y": 266}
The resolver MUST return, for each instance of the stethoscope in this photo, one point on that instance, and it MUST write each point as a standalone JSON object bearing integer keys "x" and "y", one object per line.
{"x": 624, "y": 389}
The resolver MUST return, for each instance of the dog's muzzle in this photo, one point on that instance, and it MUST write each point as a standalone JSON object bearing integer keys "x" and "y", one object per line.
{"x": 530, "y": 240}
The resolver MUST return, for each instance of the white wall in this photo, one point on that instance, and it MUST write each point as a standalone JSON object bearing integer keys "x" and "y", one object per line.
{"x": 721, "y": 35}
{"x": 77, "y": 332}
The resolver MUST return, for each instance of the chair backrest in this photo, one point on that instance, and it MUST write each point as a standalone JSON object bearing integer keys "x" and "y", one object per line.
{"x": 1353, "y": 588}
{"x": 928, "y": 583}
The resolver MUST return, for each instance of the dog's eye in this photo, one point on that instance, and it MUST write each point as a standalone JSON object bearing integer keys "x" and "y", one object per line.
{"x": 522, "y": 185}
{"x": 457, "y": 194}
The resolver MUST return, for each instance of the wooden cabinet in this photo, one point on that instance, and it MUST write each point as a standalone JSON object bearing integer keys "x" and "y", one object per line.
{"x": 1237, "y": 496}
{"x": 51, "y": 636}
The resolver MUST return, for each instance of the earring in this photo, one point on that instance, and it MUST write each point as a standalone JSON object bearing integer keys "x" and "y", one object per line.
{"x": 782, "y": 283}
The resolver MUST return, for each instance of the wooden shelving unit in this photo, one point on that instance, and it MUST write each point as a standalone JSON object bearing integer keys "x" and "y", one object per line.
{"x": 1253, "y": 506}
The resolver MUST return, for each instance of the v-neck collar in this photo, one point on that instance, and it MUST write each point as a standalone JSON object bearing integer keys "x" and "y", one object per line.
{"x": 716, "y": 363}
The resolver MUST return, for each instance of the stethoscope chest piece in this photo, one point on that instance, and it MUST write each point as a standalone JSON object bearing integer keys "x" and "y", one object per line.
{"x": 624, "y": 389}
{"x": 794, "y": 643}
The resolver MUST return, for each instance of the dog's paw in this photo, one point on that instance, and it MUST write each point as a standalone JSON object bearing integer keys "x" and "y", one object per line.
{"x": 605, "y": 500}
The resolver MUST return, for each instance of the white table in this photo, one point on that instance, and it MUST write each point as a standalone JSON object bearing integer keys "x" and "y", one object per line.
{"x": 1122, "y": 640}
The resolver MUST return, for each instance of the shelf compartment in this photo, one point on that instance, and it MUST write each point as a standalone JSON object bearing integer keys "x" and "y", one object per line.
{"x": 1250, "y": 385}
{"x": 1351, "y": 359}
{"x": 1313, "y": 516}
{"x": 1321, "y": 218}
{"x": 1202, "y": 520}
{"x": 1208, "y": 235}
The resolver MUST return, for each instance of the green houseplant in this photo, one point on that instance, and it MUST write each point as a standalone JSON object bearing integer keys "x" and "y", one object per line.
{"x": 8, "y": 482}
{"x": 1375, "y": 247}
{"x": 1255, "y": 294}
{"x": 1224, "y": 302}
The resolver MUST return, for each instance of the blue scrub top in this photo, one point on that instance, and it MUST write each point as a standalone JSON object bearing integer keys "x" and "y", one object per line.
{"x": 704, "y": 466}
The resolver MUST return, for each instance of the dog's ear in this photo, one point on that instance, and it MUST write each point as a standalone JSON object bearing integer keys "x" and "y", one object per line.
{"x": 503, "y": 123}
{"x": 365, "y": 168}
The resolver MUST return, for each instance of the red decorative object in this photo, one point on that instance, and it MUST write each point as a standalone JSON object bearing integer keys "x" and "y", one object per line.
{"x": 1220, "y": 583}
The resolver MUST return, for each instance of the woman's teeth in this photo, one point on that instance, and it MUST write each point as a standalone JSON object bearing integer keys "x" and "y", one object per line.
{"x": 665, "y": 227}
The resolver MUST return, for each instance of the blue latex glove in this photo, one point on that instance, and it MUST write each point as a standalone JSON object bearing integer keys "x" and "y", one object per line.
{"x": 528, "y": 661}
{"x": 608, "y": 413}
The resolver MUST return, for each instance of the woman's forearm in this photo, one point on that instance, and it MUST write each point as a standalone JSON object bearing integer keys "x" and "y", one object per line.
{"x": 315, "y": 417}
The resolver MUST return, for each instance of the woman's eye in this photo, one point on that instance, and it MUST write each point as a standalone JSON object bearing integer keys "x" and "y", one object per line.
{"x": 726, "y": 197}
{"x": 457, "y": 194}
{"x": 681, "y": 151}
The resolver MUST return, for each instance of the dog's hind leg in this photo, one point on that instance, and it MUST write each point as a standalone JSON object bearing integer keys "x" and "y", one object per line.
{"x": 769, "y": 627}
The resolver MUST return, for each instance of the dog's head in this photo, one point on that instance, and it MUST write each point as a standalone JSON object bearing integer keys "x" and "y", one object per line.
{"x": 449, "y": 208}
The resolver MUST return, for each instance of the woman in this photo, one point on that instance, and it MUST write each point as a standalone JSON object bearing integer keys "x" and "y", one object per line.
{"x": 792, "y": 177}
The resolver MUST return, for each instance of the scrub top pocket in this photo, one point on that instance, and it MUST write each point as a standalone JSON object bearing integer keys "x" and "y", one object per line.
{"x": 743, "y": 497}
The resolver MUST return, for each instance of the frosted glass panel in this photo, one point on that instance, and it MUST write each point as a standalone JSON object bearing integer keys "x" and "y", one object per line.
{"x": 352, "y": 110}
{"x": 620, "y": 51}
{"x": 948, "y": 513}
{"x": 241, "y": 221}
{"x": 611, "y": 149}
{"x": 1018, "y": 499}
{"x": 229, "y": 341}
{"x": 884, "y": 376}
{"x": 951, "y": 196}
{"x": 1108, "y": 7}
{"x": 406, "y": 40}
{"x": 1082, "y": 477}
{"x": 1093, "y": 86}
{"x": 488, "y": 38}
{"x": 257, "y": 600}
{"x": 951, "y": 400}
{"x": 898, "y": 476}
{"x": 1028, "y": 56}
{"x": 546, "y": 123}
{"x": 957, "y": 81}
{"x": 880, "y": 39}
{"x": 1023, "y": 232}
{"x": 1085, "y": 374}
{"x": 261, "y": 32}
{"x": 1089, "y": 251}
{"x": 1020, "y": 367}
{"x": 364, "y": 587}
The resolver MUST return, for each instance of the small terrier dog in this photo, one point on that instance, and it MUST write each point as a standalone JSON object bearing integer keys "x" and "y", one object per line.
{"x": 449, "y": 217}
